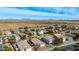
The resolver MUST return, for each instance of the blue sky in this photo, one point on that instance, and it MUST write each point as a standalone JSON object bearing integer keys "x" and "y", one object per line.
{"x": 69, "y": 13}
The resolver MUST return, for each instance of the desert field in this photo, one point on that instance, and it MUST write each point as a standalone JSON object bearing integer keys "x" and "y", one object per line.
{"x": 14, "y": 25}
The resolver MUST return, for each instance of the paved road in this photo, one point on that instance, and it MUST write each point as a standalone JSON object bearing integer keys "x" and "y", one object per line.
{"x": 63, "y": 45}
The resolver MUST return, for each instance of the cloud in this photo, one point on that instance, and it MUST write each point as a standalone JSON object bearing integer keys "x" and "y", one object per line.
{"x": 40, "y": 13}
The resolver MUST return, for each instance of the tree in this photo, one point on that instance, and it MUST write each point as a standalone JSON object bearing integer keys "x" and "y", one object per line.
{"x": 12, "y": 40}
{"x": 23, "y": 37}
{"x": 56, "y": 49}
{"x": 7, "y": 48}
{"x": 5, "y": 40}
{"x": 26, "y": 27}
{"x": 36, "y": 47}
{"x": 57, "y": 40}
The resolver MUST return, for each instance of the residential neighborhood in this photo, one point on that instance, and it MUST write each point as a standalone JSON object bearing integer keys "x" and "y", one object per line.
{"x": 58, "y": 37}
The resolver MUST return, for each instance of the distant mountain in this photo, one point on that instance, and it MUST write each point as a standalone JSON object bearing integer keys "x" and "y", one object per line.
{"x": 19, "y": 20}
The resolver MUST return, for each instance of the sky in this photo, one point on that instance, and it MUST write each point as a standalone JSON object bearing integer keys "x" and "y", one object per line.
{"x": 39, "y": 13}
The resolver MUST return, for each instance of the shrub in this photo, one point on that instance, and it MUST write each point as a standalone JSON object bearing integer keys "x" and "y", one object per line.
{"x": 7, "y": 48}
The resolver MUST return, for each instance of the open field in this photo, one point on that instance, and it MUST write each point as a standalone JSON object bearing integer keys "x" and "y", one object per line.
{"x": 13, "y": 25}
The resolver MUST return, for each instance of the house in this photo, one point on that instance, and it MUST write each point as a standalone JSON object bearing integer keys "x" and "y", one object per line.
{"x": 7, "y": 32}
{"x": 48, "y": 40}
{"x": 21, "y": 29}
{"x": 14, "y": 36}
{"x": 65, "y": 38}
{"x": 59, "y": 35}
{"x": 76, "y": 28}
{"x": 5, "y": 37}
{"x": 72, "y": 35}
{"x": 31, "y": 33}
{"x": 17, "y": 37}
{"x": 40, "y": 32}
{"x": 37, "y": 42}
{"x": 24, "y": 46}
{"x": 45, "y": 31}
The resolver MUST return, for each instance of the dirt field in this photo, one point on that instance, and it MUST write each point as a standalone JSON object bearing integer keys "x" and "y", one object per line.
{"x": 13, "y": 25}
